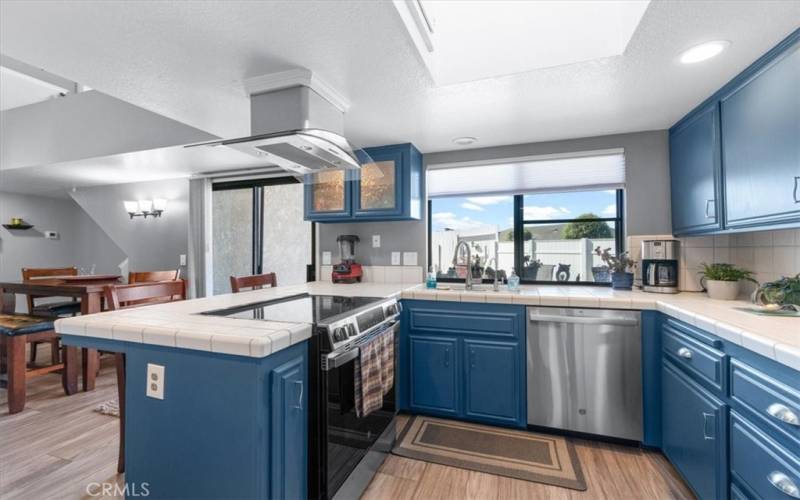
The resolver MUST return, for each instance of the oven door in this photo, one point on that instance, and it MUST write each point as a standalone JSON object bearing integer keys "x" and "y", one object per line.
{"x": 355, "y": 447}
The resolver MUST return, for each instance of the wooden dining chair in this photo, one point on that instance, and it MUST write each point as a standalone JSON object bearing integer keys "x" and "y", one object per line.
{"x": 17, "y": 330}
{"x": 255, "y": 282}
{"x": 151, "y": 276}
{"x": 126, "y": 297}
{"x": 60, "y": 308}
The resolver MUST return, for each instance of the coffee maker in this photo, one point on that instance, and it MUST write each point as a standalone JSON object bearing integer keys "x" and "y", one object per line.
{"x": 660, "y": 266}
{"x": 347, "y": 270}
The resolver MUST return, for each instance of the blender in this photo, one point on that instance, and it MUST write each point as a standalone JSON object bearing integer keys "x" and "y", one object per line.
{"x": 348, "y": 270}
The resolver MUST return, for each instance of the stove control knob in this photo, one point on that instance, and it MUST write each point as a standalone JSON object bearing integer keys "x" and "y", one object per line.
{"x": 351, "y": 330}
{"x": 391, "y": 310}
{"x": 339, "y": 334}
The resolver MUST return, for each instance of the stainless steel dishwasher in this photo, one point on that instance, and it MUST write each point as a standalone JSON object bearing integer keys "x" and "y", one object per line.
{"x": 585, "y": 370}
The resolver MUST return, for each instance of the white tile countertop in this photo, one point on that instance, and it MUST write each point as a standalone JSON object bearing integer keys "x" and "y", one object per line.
{"x": 177, "y": 324}
{"x": 774, "y": 337}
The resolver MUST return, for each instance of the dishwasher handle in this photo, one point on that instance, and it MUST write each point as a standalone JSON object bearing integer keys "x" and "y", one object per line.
{"x": 552, "y": 318}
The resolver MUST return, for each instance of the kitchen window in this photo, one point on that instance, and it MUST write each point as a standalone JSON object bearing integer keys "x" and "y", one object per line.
{"x": 545, "y": 227}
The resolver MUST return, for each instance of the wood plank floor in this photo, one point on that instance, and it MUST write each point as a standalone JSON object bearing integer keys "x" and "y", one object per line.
{"x": 58, "y": 446}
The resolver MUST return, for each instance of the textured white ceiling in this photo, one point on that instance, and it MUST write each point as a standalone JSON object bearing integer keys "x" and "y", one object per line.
{"x": 186, "y": 60}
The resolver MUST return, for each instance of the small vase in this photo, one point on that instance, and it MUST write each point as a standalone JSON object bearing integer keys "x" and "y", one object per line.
{"x": 621, "y": 281}
{"x": 721, "y": 290}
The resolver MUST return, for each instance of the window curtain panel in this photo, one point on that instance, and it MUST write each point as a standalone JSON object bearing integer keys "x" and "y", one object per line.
{"x": 200, "y": 257}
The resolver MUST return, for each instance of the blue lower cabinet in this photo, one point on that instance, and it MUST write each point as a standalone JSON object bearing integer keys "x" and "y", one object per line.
{"x": 464, "y": 361}
{"x": 289, "y": 429}
{"x": 492, "y": 381}
{"x": 694, "y": 433}
{"x": 760, "y": 466}
{"x": 433, "y": 383}
{"x": 228, "y": 426}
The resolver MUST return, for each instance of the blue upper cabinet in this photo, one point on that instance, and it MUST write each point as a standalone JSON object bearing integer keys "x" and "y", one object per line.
{"x": 735, "y": 159}
{"x": 761, "y": 143}
{"x": 388, "y": 187}
{"x": 694, "y": 163}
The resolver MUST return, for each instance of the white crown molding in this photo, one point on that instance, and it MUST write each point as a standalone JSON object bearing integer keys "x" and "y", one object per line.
{"x": 293, "y": 78}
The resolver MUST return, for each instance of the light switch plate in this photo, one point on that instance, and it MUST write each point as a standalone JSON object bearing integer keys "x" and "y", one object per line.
{"x": 395, "y": 258}
{"x": 51, "y": 235}
{"x": 409, "y": 258}
{"x": 155, "y": 381}
{"x": 376, "y": 241}
{"x": 326, "y": 258}
{"x": 182, "y": 259}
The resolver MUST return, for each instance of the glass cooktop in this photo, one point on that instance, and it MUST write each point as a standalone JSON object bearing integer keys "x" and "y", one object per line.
{"x": 303, "y": 308}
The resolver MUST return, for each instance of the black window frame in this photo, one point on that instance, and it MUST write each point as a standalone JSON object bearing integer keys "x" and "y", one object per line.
{"x": 519, "y": 228}
{"x": 257, "y": 186}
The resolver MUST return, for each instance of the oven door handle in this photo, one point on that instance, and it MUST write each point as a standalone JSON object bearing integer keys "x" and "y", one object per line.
{"x": 333, "y": 362}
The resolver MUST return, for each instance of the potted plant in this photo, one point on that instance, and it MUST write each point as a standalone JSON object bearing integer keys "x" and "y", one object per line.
{"x": 721, "y": 281}
{"x": 785, "y": 291}
{"x": 621, "y": 278}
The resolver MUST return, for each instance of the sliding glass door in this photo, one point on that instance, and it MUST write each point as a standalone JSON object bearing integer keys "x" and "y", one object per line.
{"x": 258, "y": 227}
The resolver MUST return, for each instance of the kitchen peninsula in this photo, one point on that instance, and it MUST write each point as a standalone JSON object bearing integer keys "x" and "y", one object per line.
{"x": 232, "y": 419}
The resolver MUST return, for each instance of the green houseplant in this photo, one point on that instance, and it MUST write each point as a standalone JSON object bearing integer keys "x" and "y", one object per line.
{"x": 721, "y": 281}
{"x": 621, "y": 278}
{"x": 782, "y": 292}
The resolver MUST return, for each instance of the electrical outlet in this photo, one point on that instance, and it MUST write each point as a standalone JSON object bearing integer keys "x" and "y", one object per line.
{"x": 376, "y": 241}
{"x": 182, "y": 259}
{"x": 51, "y": 235}
{"x": 409, "y": 258}
{"x": 326, "y": 258}
{"x": 395, "y": 258}
{"x": 155, "y": 381}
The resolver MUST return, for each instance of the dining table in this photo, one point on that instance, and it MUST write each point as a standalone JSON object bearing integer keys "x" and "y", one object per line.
{"x": 89, "y": 289}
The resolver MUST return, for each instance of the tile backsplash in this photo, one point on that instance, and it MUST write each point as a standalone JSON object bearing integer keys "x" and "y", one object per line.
{"x": 769, "y": 254}
{"x": 382, "y": 274}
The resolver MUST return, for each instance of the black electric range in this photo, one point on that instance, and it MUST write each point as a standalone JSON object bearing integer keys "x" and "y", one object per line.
{"x": 344, "y": 451}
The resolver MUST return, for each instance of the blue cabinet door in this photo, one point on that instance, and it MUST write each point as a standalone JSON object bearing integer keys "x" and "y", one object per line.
{"x": 694, "y": 163}
{"x": 434, "y": 380}
{"x": 492, "y": 389}
{"x": 694, "y": 433}
{"x": 760, "y": 119}
{"x": 289, "y": 430}
{"x": 389, "y": 185}
{"x": 328, "y": 196}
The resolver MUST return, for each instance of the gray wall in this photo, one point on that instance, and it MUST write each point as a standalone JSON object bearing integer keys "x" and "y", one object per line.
{"x": 647, "y": 203}
{"x": 81, "y": 241}
{"x": 150, "y": 244}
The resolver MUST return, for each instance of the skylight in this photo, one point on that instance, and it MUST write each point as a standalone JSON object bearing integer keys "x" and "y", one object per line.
{"x": 475, "y": 39}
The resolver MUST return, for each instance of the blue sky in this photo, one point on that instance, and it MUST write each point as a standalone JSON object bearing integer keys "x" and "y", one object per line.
{"x": 473, "y": 213}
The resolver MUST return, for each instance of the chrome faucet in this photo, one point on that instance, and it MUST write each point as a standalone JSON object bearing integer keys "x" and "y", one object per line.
{"x": 468, "y": 281}
{"x": 496, "y": 282}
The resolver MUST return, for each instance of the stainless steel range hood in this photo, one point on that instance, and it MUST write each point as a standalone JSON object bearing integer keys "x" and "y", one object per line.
{"x": 298, "y": 130}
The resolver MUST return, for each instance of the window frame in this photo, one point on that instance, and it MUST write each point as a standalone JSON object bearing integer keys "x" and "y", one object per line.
{"x": 519, "y": 228}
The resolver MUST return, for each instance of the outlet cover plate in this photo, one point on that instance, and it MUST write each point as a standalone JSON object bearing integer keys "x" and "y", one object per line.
{"x": 395, "y": 258}
{"x": 155, "y": 381}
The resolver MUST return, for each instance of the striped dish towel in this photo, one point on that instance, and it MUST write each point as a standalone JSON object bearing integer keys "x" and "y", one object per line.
{"x": 387, "y": 360}
{"x": 368, "y": 375}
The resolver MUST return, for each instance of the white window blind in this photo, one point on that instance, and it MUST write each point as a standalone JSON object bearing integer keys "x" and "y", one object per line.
{"x": 576, "y": 173}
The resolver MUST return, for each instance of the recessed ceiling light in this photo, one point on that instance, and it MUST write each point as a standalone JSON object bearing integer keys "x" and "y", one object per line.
{"x": 703, "y": 51}
{"x": 464, "y": 141}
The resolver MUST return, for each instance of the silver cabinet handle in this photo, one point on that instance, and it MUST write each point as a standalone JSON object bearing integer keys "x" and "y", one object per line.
{"x": 784, "y": 483}
{"x": 472, "y": 356}
{"x": 706, "y": 418}
{"x": 685, "y": 353}
{"x": 796, "y": 188}
{"x": 299, "y": 405}
{"x": 447, "y": 357}
{"x": 708, "y": 204}
{"x": 783, "y": 414}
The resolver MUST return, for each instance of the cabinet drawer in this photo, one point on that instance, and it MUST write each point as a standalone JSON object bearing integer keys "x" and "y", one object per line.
{"x": 764, "y": 466}
{"x": 774, "y": 402}
{"x": 489, "y": 324}
{"x": 694, "y": 358}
